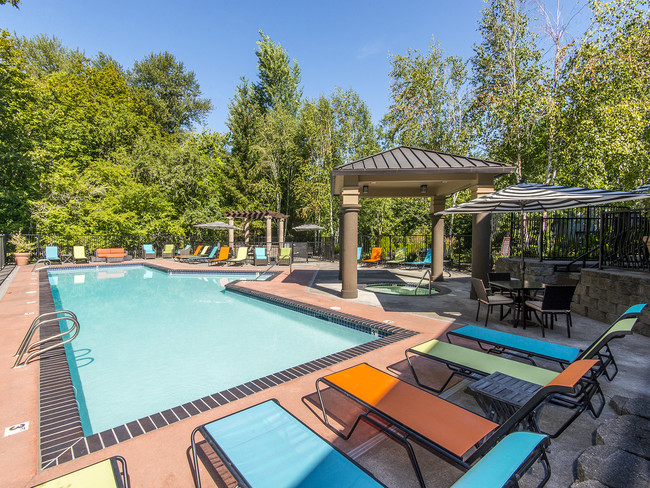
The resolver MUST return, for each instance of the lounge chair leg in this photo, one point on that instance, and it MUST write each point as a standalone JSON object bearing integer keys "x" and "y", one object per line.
{"x": 487, "y": 315}
{"x": 478, "y": 308}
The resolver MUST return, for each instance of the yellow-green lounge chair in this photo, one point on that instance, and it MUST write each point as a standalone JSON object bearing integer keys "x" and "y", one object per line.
{"x": 284, "y": 258}
{"x": 109, "y": 473}
{"x": 168, "y": 251}
{"x": 399, "y": 258}
{"x": 242, "y": 254}
{"x": 79, "y": 254}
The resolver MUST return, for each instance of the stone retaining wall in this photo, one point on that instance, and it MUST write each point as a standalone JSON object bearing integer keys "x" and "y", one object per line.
{"x": 601, "y": 295}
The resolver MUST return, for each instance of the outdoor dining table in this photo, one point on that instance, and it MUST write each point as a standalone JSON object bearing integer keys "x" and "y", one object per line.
{"x": 520, "y": 290}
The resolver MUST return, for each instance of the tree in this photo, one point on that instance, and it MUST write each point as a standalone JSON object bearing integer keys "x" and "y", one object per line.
{"x": 606, "y": 93}
{"x": 506, "y": 78}
{"x": 46, "y": 55}
{"x": 171, "y": 91}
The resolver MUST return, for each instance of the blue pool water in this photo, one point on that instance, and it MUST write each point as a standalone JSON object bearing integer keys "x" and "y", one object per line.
{"x": 150, "y": 340}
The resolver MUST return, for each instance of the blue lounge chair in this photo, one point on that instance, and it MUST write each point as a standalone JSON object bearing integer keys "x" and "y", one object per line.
{"x": 266, "y": 446}
{"x": 359, "y": 253}
{"x": 52, "y": 254}
{"x": 203, "y": 257}
{"x": 419, "y": 264}
{"x": 261, "y": 259}
{"x": 496, "y": 342}
{"x": 148, "y": 251}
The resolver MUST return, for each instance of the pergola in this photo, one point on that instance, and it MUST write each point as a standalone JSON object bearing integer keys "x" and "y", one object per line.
{"x": 412, "y": 172}
{"x": 247, "y": 216}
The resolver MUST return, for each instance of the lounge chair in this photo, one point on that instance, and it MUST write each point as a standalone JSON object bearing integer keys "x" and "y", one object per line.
{"x": 501, "y": 342}
{"x": 265, "y": 445}
{"x": 168, "y": 251}
{"x": 110, "y": 472}
{"x": 182, "y": 256}
{"x": 184, "y": 252}
{"x": 224, "y": 251}
{"x": 242, "y": 255}
{"x": 399, "y": 258}
{"x": 204, "y": 256}
{"x": 284, "y": 258}
{"x": 79, "y": 254}
{"x": 405, "y": 412}
{"x": 148, "y": 252}
{"x": 52, "y": 254}
{"x": 375, "y": 256}
{"x": 359, "y": 253}
{"x": 261, "y": 259}
{"x": 420, "y": 264}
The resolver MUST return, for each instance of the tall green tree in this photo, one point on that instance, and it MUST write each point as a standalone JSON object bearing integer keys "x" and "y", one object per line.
{"x": 605, "y": 90}
{"x": 173, "y": 92}
{"x": 506, "y": 75}
{"x": 45, "y": 55}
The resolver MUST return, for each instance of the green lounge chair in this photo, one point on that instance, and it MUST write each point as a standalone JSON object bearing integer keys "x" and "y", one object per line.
{"x": 168, "y": 251}
{"x": 284, "y": 258}
{"x": 501, "y": 342}
{"x": 108, "y": 473}
{"x": 399, "y": 258}
{"x": 148, "y": 252}
{"x": 266, "y": 446}
{"x": 242, "y": 255}
{"x": 79, "y": 254}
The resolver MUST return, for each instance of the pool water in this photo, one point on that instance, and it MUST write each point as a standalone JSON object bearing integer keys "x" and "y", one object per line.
{"x": 151, "y": 340}
{"x": 401, "y": 289}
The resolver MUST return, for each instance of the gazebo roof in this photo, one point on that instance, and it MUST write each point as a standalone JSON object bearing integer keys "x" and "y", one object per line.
{"x": 254, "y": 214}
{"x": 402, "y": 171}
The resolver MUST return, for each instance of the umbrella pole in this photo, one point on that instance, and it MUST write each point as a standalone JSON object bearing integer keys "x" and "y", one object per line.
{"x": 522, "y": 263}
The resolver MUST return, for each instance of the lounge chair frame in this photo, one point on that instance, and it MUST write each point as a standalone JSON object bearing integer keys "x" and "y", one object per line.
{"x": 392, "y": 426}
{"x": 118, "y": 466}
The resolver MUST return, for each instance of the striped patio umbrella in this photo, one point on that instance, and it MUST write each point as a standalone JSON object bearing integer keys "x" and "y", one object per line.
{"x": 532, "y": 197}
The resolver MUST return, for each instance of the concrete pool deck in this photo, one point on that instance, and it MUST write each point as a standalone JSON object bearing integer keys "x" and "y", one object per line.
{"x": 162, "y": 458}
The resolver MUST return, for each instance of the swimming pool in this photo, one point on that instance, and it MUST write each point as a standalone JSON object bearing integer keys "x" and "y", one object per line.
{"x": 152, "y": 340}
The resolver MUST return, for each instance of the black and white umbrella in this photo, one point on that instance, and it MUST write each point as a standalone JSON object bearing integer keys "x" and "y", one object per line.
{"x": 532, "y": 197}
{"x": 217, "y": 225}
{"x": 308, "y": 227}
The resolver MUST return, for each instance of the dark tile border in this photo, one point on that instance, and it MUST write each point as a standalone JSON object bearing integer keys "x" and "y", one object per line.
{"x": 61, "y": 435}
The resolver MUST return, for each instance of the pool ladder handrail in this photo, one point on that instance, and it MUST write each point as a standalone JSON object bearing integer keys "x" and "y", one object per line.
{"x": 272, "y": 265}
{"x": 25, "y": 346}
{"x": 44, "y": 261}
{"x": 427, "y": 272}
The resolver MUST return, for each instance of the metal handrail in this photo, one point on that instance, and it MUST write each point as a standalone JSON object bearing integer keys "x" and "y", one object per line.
{"x": 47, "y": 263}
{"x": 272, "y": 265}
{"x": 428, "y": 271}
{"x": 25, "y": 346}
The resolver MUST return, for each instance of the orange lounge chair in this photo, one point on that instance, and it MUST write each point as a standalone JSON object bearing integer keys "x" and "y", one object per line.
{"x": 375, "y": 256}
{"x": 224, "y": 251}
{"x": 458, "y": 435}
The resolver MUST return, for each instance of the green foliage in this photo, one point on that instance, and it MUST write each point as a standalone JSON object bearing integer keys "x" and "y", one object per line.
{"x": 173, "y": 93}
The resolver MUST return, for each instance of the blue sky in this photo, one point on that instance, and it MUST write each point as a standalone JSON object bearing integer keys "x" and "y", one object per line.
{"x": 344, "y": 44}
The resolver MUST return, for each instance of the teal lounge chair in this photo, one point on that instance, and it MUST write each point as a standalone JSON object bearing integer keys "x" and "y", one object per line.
{"x": 109, "y": 473}
{"x": 148, "y": 252}
{"x": 261, "y": 259}
{"x": 203, "y": 257}
{"x": 52, "y": 254}
{"x": 421, "y": 264}
{"x": 496, "y": 342}
{"x": 266, "y": 446}
{"x": 359, "y": 253}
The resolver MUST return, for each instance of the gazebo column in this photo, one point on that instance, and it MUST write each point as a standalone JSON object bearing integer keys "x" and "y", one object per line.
{"x": 280, "y": 233}
{"x": 231, "y": 233}
{"x": 350, "y": 214}
{"x": 437, "y": 238}
{"x": 481, "y": 245}
{"x": 247, "y": 232}
{"x": 269, "y": 239}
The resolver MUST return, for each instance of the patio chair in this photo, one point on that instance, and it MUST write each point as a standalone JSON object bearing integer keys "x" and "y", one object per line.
{"x": 375, "y": 257}
{"x": 260, "y": 257}
{"x": 242, "y": 255}
{"x": 420, "y": 264}
{"x": 405, "y": 412}
{"x": 498, "y": 277}
{"x": 265, "y": 445}
{"x": 168, "y": 251}
{"x": 52, "y": 254}
{"x": 399, "y": 258}
{"x": 110, "y": 472}
{"x": 556, "y": 301}
{"x": 148, "y": 252}
{"x": 79, "y": 254}
{"x": 490, "y": 300}
{"x": 284, "y": 258}
{"x": 497, "y": 342}
{"x": 224, "y": 252}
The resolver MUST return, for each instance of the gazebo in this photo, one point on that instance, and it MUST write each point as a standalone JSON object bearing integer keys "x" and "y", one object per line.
{"x": 247, "y": 216}
{"x": 412, "y": 172}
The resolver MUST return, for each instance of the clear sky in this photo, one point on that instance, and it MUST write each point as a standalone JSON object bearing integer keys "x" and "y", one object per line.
{"x": 344, "y": 44}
